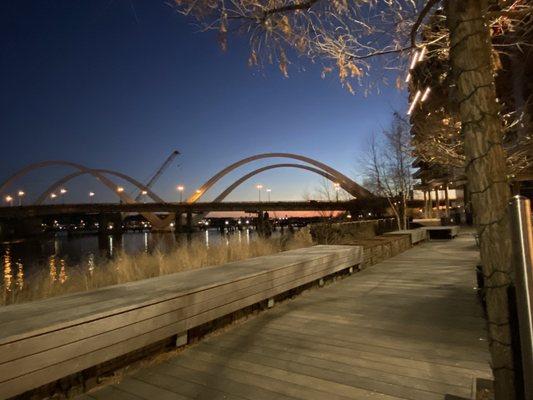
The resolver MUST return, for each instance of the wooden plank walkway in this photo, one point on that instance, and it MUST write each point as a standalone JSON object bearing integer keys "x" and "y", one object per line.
{"x": 407, "y": 328}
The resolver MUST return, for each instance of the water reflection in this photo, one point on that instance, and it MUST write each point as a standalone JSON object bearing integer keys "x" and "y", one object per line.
{"x": 8, "y": 276}
{"x": 63, "y": 255}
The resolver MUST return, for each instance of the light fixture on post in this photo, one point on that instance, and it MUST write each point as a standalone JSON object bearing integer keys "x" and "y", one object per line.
{"x": 180, "y": 189}
{"x": 259, "y": 187}
{"x": 20, "y": 195}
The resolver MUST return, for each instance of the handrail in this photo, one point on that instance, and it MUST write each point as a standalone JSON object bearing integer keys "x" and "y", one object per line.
{"x": 522, "y": 236}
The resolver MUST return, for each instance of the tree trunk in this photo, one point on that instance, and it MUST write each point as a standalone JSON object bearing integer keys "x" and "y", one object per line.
{"x": 472, "y": 73}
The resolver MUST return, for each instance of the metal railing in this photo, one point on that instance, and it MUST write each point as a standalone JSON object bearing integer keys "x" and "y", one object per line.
{"x": 522, "y": 236}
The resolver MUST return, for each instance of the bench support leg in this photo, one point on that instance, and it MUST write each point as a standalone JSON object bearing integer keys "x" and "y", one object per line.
{"x": 181, "y": 339}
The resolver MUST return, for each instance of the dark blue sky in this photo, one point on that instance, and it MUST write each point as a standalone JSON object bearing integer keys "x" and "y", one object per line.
{"x": 118, "y": 84}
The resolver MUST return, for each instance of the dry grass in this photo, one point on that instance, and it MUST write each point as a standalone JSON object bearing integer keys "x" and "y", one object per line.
{"x": 125, "y": 268}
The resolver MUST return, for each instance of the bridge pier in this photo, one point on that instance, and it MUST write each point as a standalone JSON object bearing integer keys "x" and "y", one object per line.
{"x": 110, "y": 224}
{"x": 183, "y": 223}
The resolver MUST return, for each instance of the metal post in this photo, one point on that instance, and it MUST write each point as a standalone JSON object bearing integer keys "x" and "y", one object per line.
{"x": 447, "y": 201}
{"x": 520, "y": 209}
{"x": 425, "y": 204}
{"x": 437, "y": 201}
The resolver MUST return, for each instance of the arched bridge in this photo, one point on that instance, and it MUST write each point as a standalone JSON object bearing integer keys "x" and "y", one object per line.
{"x": 102, "y": 175}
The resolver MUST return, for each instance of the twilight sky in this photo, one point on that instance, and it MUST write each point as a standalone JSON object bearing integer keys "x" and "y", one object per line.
{"x": 119, "y": 84}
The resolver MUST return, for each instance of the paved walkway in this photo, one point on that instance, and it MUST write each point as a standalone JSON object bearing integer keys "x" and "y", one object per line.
{"x": 407, "y": 328}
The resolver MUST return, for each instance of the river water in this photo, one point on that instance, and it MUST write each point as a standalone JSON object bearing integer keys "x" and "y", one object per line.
{"x": 60, "y": 253}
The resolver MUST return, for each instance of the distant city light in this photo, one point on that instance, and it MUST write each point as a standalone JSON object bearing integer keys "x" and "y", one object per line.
{"x": 21, "y": 193}
{"x": 53, "y": 195}
{"x": 91, "y": 194}
{"x": 120, "y": 189}
{"x": 63, "y": 191}
{"x": 9, "y": 199}
{"x": 144, "y": 192}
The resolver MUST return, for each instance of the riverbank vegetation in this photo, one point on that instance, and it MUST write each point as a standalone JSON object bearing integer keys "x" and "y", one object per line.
{"x": 58, "y": 279}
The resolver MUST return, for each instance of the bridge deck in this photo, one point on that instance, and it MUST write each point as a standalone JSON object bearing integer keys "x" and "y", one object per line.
{"x": 407, "y": 328}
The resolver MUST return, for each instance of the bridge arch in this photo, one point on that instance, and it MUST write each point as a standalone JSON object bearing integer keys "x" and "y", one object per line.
{"x": 154, "y": 219}
{"x": 249, "y": 175}
{"x": 61, "y": 182}
{"x": 350, "y": 186}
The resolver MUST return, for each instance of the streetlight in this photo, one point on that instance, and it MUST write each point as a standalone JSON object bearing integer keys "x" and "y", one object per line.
{"x": 9, "y": 200}
{"x": 20, "y": 195}
{"x": 180, "y": 189}
{"x": 337, "y": 188}
{"x": 268, "y": 194}
{"x": 120, "y": 189}
{"x": 91, "y": 195}
{"x": 53, "y": 196}
{"x": 63, "y": 192}
{"x": 144, "y": 193}
{"x": 259, "y": 187}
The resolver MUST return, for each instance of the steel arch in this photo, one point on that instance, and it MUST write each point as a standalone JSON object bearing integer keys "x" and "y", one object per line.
{"x": 351, "y": 187}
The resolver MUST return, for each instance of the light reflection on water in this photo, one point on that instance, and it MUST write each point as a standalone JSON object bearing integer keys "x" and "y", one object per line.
{"x": 61, "y": 254}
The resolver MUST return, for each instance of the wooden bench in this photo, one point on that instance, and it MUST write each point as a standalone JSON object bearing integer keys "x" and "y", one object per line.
{"x": 415, "y": 235}
{"x": 442, "y": 232}
{"x": 43, "y": 341}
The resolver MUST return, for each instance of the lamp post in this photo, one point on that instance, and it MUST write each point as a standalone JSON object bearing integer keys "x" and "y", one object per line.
{"x": 337, "y": 188}
{"x": 63, "y": 192}
{"x": 268, "y": 194}
{"x": 120, "y": 189}
{"x": 91, "y": 196}
{"x": 259, "y": 187}
{"x": 53, "y": 196}
{"x": 144, "y": 193}
{"x": 20, "y": 196}
{"x": 9, "y": 200}
{"x": 180, "y": 189}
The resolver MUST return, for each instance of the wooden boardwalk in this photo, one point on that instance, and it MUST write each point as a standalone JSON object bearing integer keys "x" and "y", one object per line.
{"x": 407, "y": 328}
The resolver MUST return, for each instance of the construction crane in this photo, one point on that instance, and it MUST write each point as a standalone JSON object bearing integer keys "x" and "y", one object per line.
{"x": 160, "y": 171}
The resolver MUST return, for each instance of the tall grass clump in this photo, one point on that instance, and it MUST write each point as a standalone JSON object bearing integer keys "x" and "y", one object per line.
{"x": 61, "y": 279}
